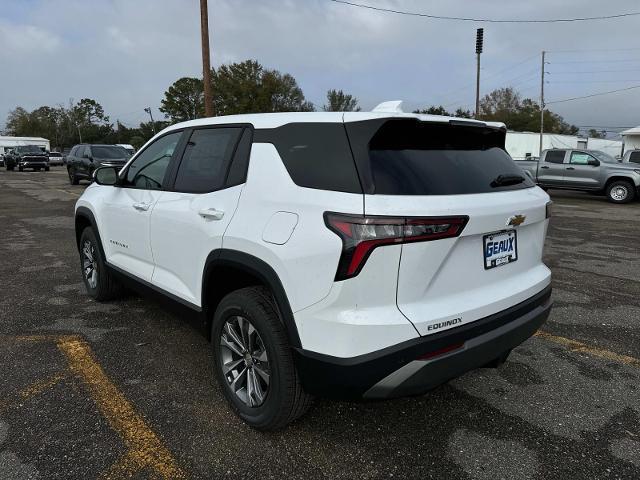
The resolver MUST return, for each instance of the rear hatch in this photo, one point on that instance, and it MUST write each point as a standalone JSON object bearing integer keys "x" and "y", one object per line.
{"x": 454, "y": 172}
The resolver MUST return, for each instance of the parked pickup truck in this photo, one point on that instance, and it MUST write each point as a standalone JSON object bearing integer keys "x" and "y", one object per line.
{"x": 631, "y": 156}
{"x": 587, "y": 170}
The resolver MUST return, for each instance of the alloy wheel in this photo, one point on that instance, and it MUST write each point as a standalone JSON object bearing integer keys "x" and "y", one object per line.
{"x": 89, "y": 264}
{"x": 619, "y": 193}
{"x": 244, "y": 361}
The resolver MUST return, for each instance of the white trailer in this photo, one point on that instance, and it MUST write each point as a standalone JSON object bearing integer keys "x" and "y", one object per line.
{"x": 631, "y": 139}
{"x": 521, "y": 145}
{"x": 7, "y": 143}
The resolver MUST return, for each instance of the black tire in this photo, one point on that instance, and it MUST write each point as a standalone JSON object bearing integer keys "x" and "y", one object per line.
{"x": 37, "y": 169}
{"x": 285, "y": 399}
{"x": 73, "y": 180}
{"x": 106, "y": 286}
{"x": 20, "y": 169}
{"x": 621, "y": 191}
{"x": 46, "y": 169}
{"x": 9, "y": 169}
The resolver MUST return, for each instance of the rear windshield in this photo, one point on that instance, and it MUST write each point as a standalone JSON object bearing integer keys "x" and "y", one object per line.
{"x": 409, "y": 157}
{"x": 109, "y": 152}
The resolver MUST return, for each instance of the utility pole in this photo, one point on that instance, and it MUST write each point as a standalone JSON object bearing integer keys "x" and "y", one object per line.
{"x": 153, "y": 125}
{"x": 541, "y": 105}
{"x": 206, "y": 59}
{"x": 79, "y": 134}
{"x": 479, "y": 42}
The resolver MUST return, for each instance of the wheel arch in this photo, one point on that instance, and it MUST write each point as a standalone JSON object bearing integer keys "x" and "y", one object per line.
{"x": 618, "y": 178}
{"x": 239, "y": 269}
{"x": 84, "y": 218}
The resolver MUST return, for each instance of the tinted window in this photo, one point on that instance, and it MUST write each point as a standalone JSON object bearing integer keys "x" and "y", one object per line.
{"x": 316, "y": 155}
{"x": 206, "y": 157}
{"x": 148, "y": 169}
{"x": 80, "y": 151}
{"x": 238, "y": 170}
{"x": 554, "y": 156}
{"x": 408, "y": 157}
{"x": 107, "y": 152}
{"x": 580, "y": 158}
{"x": 634, "y": 157}
{"x": 73, "y": 151}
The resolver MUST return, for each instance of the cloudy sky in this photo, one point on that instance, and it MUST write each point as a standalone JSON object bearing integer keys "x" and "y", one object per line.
{"x": 125, "y": 53}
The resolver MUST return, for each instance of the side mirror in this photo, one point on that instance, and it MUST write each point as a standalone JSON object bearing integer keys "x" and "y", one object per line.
{"x": 594, "y": 163}
{"x": 106, "y": 176}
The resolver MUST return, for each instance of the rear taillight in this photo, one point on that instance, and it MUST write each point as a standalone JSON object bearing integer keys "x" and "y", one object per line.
{"x": 549, "y": 209}
{"x": 360, "y": 235}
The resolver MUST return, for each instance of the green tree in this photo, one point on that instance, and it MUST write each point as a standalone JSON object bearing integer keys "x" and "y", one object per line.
{"x": 247, "y": 87}
{"x": 433, "y": 110}
{"x": 184, "y": 100}
{"x": 506, "y": 105}
{"x": 593, "y": 133}
{"x": 440, "y": 110}
{"x": 338, "y": 101}
{"x": 18, "y": 122}
{"x": 136, "y": 141}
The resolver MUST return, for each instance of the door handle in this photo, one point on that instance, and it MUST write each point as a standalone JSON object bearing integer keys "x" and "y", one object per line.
{"x": 141, "y": 206}
{"x": 570, "y": 168}
{"x": 211, "y": 213}
{"x": 544, "y": 166}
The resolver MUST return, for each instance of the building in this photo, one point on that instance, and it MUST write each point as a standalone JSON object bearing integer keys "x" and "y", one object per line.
{"x": 10, "y": 142}
{"x": 521, "y": 145}
{"x": 631, "y": 139}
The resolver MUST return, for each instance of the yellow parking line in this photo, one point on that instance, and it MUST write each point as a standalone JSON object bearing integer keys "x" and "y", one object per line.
{"x": 67, "y": 192}
{"x": 145, "y": 450}
{"x": 34, "y": 389}
{"x": 39, "y": 387}
{"x": 576, "y": 346}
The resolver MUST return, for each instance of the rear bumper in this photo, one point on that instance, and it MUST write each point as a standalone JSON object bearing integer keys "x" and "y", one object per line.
{"x": 395, "y": 371}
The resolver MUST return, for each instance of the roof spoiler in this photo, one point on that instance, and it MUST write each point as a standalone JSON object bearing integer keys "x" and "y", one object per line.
{"x": 393, "y": 106}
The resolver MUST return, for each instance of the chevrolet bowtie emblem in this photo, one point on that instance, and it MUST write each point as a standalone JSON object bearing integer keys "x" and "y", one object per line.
{"x": 516, "y": 220}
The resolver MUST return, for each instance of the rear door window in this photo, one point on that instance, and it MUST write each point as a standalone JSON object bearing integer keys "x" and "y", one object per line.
{"x": 409, "y": 157}
{"x": 554, "y": 156}
{"x": 580, "y": 158}
{"x": 206, "y": 159}
{"x": 634, "y": 157}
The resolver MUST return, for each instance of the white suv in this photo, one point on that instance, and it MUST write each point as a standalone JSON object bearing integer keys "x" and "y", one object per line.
{"x": 365, "y": 255}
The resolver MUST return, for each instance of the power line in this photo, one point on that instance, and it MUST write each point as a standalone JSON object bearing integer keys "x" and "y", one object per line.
{"x": 625, "y": 60}
{"x": 595, "y": 81}
{"x": 596, "y": 71}
{"x": 486, "y": 77}
{"x": 484, "y": 20}
{"x": 594, "y": 95}
{"x": 590, "y": 50}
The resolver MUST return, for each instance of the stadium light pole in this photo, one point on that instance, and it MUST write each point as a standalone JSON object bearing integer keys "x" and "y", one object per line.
{"x": 479, "y": 42}
{"x": 206, "y": 59}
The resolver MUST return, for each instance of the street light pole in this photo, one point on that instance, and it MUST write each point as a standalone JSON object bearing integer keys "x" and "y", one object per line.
{"x": 541, "y": 106}
{"x": 153, "y": 124}
{"x": 206, "y": 59}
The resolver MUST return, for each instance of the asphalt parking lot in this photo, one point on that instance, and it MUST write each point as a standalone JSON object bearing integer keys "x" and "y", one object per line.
{"x": 126, "y": 390}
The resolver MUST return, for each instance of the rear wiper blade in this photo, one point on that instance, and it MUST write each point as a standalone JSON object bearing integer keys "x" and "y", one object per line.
{"x": 504, "y": 180}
